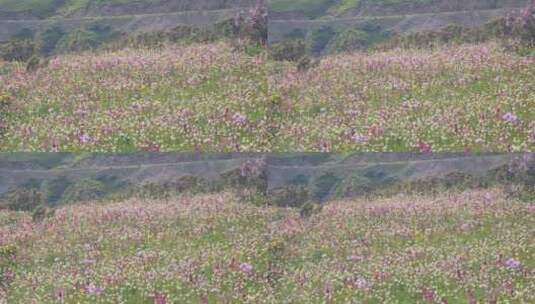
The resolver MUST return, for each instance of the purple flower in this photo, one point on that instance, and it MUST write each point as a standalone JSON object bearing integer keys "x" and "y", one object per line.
{"x": 360, "y": 138}
{"x": 510, "y": 117}
{"x": 355, "y": 258}
{"x": 84, "y": 138}
{"x": 246, "y": 267}
{"x": 159, "y": 298}
{"x": 93, "y": 289}
{"x": 513, "y": 264}
{"x": 362, "y": 283}
{"x": 239, "y": 118}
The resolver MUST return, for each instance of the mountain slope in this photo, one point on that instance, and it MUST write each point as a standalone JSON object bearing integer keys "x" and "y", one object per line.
{"x": 314, "y": 9}
{"x": 42, "y": 9}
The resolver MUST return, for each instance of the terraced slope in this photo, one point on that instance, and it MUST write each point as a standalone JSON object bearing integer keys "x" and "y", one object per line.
{"x": 322, "y": 176}
{"x": 42, "y": 9}
{"x": 281, "y": 28}
{"x": 316, "y": 9}
{"x": 30, "y": 16}
{"x": 122, "y": 24}
{"x": 401, "y": 16}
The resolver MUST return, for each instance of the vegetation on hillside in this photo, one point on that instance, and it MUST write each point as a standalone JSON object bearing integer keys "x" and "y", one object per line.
{"x": 333, "y": 8}
{"x": 518, "y": 32}
{"x": 216, "y": 249}
{"x": 53, "y": 40}
{"x": 214, "y": 97}
{"x": 59, "y": 8}
{"x": 204, "y": 97}
{"x": 462, "y": 98}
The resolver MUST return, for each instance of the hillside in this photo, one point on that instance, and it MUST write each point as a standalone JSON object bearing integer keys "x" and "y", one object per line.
{"x": 453, "y": 247}
{"x": 42, "y": 9}
{"x": 210, "y": 97}
{"x": 46, "y": 20}
{"x": 288, "y": 179}
{"x": 323, "y": 9}
{"x": 380, "y": 19}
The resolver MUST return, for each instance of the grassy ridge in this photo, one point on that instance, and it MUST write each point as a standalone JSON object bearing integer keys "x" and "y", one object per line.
{"x": 455, "y": 248}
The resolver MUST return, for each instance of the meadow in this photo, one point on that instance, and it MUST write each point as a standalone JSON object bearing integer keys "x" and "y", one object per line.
{"x": 456, "y": 247}
{"x": 222, "y": 97}
{"x": 452, "y": 98}
{"x": 203, "y": 97}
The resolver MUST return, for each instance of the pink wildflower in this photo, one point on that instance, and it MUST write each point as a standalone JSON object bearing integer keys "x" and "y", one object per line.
{"x": 159, "y": 298}
{"x": 424, "y": 147}
{"x": 246, "y": 267}
{"x": 362, "y": 283}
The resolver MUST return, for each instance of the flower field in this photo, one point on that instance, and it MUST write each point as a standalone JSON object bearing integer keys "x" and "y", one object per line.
{"x": 211, "y": 97}
{"x": 470, "y": 247}
{"x": 473, "y": 97}
{"x": 203, "y": 97}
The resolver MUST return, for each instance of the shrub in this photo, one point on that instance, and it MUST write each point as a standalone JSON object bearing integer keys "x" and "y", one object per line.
{"x": 78, "y": 40}
{"x": 23, "y": 199}
{"x": 25, "y": 33}
{"x": 288, "y": 50}
{"x": 33, "y": 63}
{"x": 53, "y": 189}
{"x": 306, "y": 63}
{"x": 296, "y": 34}
{"x": 309, "y": 209}
{"x": 355, "y": 185}
{"x": 319, "y": 39}
{"x": 48, "y": 40}
{"x": 18, "y": 50}
{"x": 84, "y": 190}
{"x": 323, "y": 185}
{"x": 152, "y": 191}
{"x": 348, "y": 40}
{"x": 164, "y": 190}
{"x": 41, "y": 212}
{"x": 289, "y": 196}
{"x": 251, "y": 175}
